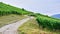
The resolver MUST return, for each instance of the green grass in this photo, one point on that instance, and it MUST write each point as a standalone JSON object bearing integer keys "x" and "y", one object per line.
{"x": 4, "y": 20}
{"x": 30, "y": 27}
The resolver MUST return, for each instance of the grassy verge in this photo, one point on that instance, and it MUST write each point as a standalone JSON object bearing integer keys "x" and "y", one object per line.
{"x": 30, "y": 27}
{"x": 4, "y": 20}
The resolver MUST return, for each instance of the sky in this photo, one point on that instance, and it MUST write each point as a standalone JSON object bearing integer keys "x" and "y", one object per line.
{"x": 46, "y": 7}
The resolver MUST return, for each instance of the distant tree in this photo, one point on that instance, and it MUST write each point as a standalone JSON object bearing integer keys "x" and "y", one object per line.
{"x": 23, "y": 9}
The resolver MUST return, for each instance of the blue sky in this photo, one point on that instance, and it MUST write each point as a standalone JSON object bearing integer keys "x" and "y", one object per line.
{"x": 47, "y": 7}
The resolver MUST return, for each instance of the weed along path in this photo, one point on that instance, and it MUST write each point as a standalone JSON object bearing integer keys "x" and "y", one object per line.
{"x": 12, "y": 28}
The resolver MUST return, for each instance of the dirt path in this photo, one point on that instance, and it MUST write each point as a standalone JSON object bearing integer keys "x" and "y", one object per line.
{"x": 12, "y": 28}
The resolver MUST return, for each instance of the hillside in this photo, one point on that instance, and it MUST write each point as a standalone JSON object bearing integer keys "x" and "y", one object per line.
{"x": 7, "y": 9}
{"x": 56, "y": 16}
{"x": 42, "y": 21}
{"x": 10, "y": 14}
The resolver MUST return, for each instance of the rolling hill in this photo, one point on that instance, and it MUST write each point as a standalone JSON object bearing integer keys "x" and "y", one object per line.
{"x": 43, "y": 21}
{"x": 56, "y": 16}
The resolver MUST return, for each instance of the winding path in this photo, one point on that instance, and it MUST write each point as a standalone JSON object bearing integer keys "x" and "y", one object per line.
{"x": 12, "y": 28}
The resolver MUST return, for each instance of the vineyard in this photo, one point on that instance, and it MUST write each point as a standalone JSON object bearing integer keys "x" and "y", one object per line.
{"x": 6, "y": 9}
{"x": 47, "y": 22}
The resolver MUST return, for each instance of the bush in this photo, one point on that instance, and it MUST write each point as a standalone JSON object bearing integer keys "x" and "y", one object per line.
{"x": 23, "y": 9}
